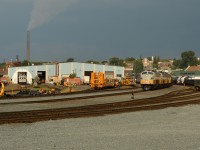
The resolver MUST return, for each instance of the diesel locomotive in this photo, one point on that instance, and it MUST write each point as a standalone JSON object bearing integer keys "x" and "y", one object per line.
{"x": 151, "y": 80}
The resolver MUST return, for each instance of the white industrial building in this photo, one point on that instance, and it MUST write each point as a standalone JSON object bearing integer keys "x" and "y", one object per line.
{"x": 26, "y": 74}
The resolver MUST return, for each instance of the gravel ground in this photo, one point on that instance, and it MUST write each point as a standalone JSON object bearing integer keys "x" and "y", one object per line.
{"x": 166, "y": 129}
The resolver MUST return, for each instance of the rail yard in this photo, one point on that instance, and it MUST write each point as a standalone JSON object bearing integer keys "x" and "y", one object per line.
{"x": 101, "y": 114}
{"x": 92, "y": 104}
{"x": 99, "y": 75}
{"x": 107, "y": 114}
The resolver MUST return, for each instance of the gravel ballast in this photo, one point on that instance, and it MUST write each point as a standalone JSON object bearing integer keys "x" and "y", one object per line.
{"x": 166, "y": 129}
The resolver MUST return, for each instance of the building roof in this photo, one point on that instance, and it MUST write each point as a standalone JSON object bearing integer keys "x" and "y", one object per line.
{"x": 193, "y": 68}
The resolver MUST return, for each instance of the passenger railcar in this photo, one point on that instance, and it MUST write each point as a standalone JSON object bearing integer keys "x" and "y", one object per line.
{"x": 152, "y": 80}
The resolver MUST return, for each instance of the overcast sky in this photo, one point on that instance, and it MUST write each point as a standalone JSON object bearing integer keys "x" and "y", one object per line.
{"x": 98, "y": 29}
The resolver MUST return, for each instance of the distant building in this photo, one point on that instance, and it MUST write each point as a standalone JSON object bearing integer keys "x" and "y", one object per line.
{"x": 128, "y": 70}
{"x": 147, "y": 64}
{"x": 165, "y": 65}
{"x": 4, "y": 70}
{"x": 13, "y": 64}
{"x": 191, "y": 71}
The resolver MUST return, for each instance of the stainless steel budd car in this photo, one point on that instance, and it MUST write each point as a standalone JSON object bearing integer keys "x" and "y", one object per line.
{"x": 152, "y": 80}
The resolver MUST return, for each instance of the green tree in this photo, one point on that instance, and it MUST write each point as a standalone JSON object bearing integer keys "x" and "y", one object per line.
{"x": 149, "y": 58}
{"x": 38, "y": 63}
{"x": 92, "y": 62}
{"x": 70, "y": 60}
{"x": 104, "y": 62}
{"x": 2, "y": 65}
{"x": 188, "y": 59}
{"x": 25, "y": 63}
{"x": 72, "y": 75}
{"x": 116, "y": 61}
{"x": 176, "y": 64}
{"x": 155, "y": 61}
{"x": 137, "y": 66}
{"x": 129, "y": 59}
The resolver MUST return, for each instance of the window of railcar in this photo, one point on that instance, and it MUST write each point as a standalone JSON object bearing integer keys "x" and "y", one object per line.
{"x": 150, "y": 72}
{"x": 144, "y": 72}
{"x": 157, "y": 74}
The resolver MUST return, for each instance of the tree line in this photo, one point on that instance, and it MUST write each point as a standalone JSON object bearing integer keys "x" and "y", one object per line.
{"x": 188, "y": 58}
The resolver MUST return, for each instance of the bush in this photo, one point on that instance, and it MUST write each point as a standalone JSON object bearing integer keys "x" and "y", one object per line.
{"x": 72, "y": 75}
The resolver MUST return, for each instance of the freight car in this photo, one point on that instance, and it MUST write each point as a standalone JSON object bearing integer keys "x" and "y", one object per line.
{"x": 152, "y": 80}
{"x": 185, "y": 80}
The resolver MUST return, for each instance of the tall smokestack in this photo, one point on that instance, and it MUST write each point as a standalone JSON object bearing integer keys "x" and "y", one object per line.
{"x": 28, "y": 46}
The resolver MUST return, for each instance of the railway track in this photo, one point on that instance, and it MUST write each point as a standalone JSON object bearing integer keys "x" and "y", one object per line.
{"x": 87, "y": 91}
{"x": 64, "y": 98}
{"x": 173, "y": 99}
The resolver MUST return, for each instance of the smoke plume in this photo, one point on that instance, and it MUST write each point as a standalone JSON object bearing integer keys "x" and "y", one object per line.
{"x": 45, "y": 10}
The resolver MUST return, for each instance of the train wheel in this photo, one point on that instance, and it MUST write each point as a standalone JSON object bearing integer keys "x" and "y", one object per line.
{"x": 143, "y": 87}
{"x": 146, "y": 88}
{"x": 152, "y": 88}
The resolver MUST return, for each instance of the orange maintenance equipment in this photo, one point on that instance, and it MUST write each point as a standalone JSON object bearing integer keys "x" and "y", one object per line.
{"x": 128, "y": 81}
{"x": 98, "y": 81}
{"x": 2, "y": 89}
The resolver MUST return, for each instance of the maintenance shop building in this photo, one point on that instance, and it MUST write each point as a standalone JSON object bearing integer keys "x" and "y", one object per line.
{"x": 26, "y": 74}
